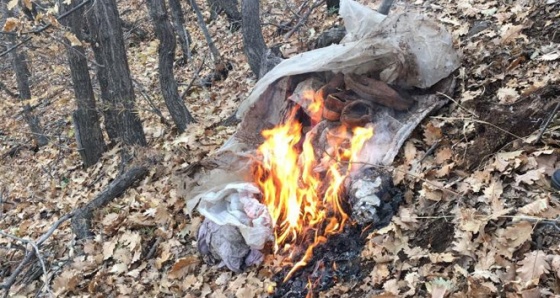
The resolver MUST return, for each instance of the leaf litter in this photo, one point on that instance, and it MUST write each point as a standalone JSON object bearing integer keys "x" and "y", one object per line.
{"x": 470, "y": 226}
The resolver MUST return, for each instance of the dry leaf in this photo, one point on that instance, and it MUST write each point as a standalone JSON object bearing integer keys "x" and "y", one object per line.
{"x": 532, "y": 267}
{"x": 11, "y": 24}
{"x": 511, "y": 32}
{"x": 432, "y": 134}
{"x": 535, "y": 207}
{"x": 28, "y": 4}
{"x": 66, "y": 282}
{"x": 507, "y": 95}
{"x": 74, "y": 41}
{"x": 443, "y": 155}
{"x": 530, "y": 176}
{"x": 182, "y": 267}
{"x": 12, "y": 4}
{"x": 470, "y": 221}
{"x": 513, "y": 236}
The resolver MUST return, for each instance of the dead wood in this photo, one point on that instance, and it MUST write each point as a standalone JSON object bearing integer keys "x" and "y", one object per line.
{"x": 81, "y": 222}
{"x": 32, "y": 252}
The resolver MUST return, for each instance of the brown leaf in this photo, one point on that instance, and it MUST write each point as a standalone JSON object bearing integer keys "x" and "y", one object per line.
{"x": 443, "y": 155}
{"x": 529, "y": 177}
{"x": 470, "y": 221}
{"x": 11, "y": 24}
{"x": 182, "y": 267}
{"x": 432, "y": 133}
{"x": 513, "y": 236}
{"x": 74, "y": 41}
{"x": 535, "y": 207}
{"x": 532, "y": 267}
{"x": 66, "y": 282}
{"x": 12, "y": 4}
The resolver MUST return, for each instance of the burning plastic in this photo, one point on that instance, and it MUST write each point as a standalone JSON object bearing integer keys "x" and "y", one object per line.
{"x": 315, "y": 127}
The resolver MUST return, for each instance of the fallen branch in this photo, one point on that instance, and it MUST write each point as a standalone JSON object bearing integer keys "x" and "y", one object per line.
{"x": 81, "y": 222}
{"x": 545, "y": 125}
{"x": 31, "y": 253}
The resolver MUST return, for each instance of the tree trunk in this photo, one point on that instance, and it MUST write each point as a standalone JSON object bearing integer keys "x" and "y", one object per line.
{"x": 89, "y": 136}
{"x": 333, "y": 6}
{"x": 230, "y": 8}
{"x": 253, "y": 41}
{"x": 19, "y": 64}
{"x": 122, "y": 120}
{"x": 178, "y": 18}
{"x": 213, "y": 50}
{"x": 164, "y": 32}
{"x": 385, "y": 7}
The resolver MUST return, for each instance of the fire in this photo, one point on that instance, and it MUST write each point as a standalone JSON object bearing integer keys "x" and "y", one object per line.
{"x": 303, "y": 192}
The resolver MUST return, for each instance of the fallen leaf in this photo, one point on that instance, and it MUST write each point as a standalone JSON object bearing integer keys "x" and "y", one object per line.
{"x": 507, "y": 95}
{"x": 532, "y": 267}
{"x": 530, "y": 176}
{"x": 11, "y": 24}
{"x": 181, "y": 267}
{"x": 74, "y": 41}
{"x": 535, "y": 207}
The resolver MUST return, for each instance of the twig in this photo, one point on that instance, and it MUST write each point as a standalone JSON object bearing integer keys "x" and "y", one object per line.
{"x": 35, "y": 249}
{"x": 196, "y": 75}
{"x": 147, "y": 97}
{"x": 45, "y": 27}
{"x": 31, "y": 253}
{"x": 478, "y": 121}
{"x": 153, "y": 249}
{"x": 303, "y": 18}
{"x": 10, "y": 93}
{"x": 545, "y": 125}
{"x": 458, "y": 104}
{"x": 430, "y": 151}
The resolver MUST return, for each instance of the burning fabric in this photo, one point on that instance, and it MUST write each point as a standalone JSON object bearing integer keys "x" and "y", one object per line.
{"x": 303, "y": 167}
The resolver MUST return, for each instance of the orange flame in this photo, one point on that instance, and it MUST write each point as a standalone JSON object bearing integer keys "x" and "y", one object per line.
{"x": 302, "y": 201}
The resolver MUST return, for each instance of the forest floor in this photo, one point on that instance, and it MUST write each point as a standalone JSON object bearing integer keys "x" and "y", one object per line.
{"x": 480, "y": 218}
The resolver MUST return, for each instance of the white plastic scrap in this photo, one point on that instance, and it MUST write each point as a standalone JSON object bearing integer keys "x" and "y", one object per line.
{"x": 235, "y": 204}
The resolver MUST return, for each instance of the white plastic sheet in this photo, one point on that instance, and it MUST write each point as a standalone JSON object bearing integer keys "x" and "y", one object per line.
{"x": 406, "y": 49}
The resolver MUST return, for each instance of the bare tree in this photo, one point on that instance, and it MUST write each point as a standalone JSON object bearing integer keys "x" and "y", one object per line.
{"x": 89, "y": 136}
{"x": 260, "y": 58}
{"x": 178, "y": 18}
{"x": 164, "y": 32}
{"x": 19, "y": 65}
{"x": 216, "y": 58}
{"x": 123, "y": 124}
{"x": 230, "y": 8}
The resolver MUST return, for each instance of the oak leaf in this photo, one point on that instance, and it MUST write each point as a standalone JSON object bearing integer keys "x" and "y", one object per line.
{"x": 532, "y": 267}
{"x": 11, "y": 24}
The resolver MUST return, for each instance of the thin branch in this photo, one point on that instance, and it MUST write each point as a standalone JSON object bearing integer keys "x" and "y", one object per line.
{"x": 147, "y": 97}
{"x": 458, "y": 104}
{"x": 195, "y": 76}
{"x": 478, "y": 121}
{"x": 545, "y": 125}
{"x": 303, "y": 19}
{"x": 45, "y": 27}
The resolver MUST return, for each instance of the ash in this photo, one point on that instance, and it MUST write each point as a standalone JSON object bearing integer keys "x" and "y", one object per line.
{"x": 339, "y": 259}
